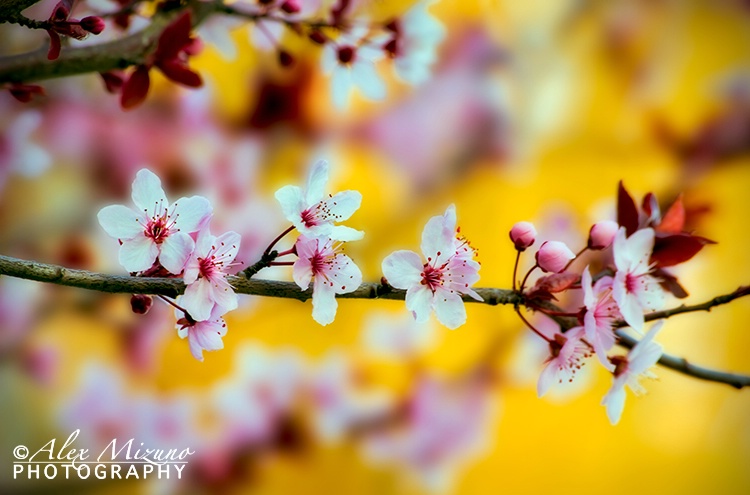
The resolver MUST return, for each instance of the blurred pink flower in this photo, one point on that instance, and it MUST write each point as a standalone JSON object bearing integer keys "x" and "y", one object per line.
{"x": 439, "y": 283}
{"x": 628, "y": 368}
{"x": 155, "y": 229}
{"x": 313, "y": 214}
{"x": 202, "y": 335}
{"x": 330, "y": 271}
{"x": 397, "y": 337}
{"x": 206, "y": 275}
{"x": 414, "y": 45}
{"x": 634, "y": 288}
{"x": 567, "y": 352}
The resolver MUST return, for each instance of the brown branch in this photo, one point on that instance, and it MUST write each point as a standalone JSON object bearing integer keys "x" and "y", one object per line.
{"x": 42, "y": 272}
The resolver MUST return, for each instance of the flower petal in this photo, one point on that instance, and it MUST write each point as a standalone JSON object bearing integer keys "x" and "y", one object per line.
{"x": 403, "y": 269}
{"x": 175, "y": 251}
{"x": 437, "y": 237}
{"x": 546, "y": 378}
{"x": 121, "y": 222}
{"x": 147, "y": 194}
{"x": 450, "y": 309}
{"x": 343, "y": 205}
{"x": 138, "y": 254}
{"x": 223, "y": 295}
{"x": 302, "y": 272}
{"x": 341, "y": 84}
{"x": 615, "y": 402}
{"x": 316, "y": 183}
{"x": 324, "y": 302}
{"x": 419, "y": 302}
{"x": 191, "y": 214}
{"x": 348, "y": 276}
{"x": 292, "y": 203}
{"x": 366, "y": 78}
{"x": 197, "y": 299}
{"x": 344, "y": 233}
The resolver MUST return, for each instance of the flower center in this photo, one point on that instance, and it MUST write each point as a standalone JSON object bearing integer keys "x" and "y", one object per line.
{"x": 308, "y": 218}
{"x": 157, "y": 229}
{"x": 621, "y": 364}
{"x": 631, "y": 283}
{"x": 319, "y": 262}
{"x": 346, "y": 54}
{"x": 207, "y": 266}
{"x": 432, "y": 277}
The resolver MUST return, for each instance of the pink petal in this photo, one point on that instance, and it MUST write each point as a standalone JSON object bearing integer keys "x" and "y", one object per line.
{"x": 191, "y": 214}
{"x": 175, "y": 251}
{"x": 547, "y": 378}
{"x": 437, "y": 237}
{"x": 197, "y": 299}
{"x": 138, "y": 254}
{"x": 227, "y": 246}
{"x": 403, "y": 269}
{"x": 223, "y": 295}
{"x": 148, "y": 195}
{"x": 302, "y": 272}
{"x": 121, "y": 222}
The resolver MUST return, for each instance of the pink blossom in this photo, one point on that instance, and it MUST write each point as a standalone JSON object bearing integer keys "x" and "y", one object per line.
{"x": 439, "y": 283}
{"x": 567, "y": 352}
{"x": 601, "y": 314}
{"x": 602, "y": 234}
{"x": 155, "y": 229}
{"x": 523, "y": 235}
{"x": 397, "y": 337}
{"x": 553, "y": 256}
{"x": 628, "y": 368}
{"x": 634, "y": 288}
{"x": 314, "y": 214}
{"x": 202, "y": 335}
{"x": 414, "y": 45}
{"x": 206, "y": 275}
{"x": 330, "y": 271}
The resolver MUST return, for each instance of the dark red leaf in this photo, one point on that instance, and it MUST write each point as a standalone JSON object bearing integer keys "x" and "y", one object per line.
{"x": 180, "y": 73}
{"x": 673, "y": 220}
{"x": 674, "y": 249}
{"x": 54, "y": 45}
{"x": 627, "y": 212}
{"x": 669, "y": 283}
{"x": 650, "y": 207}
{"x": 174, "y": 38}
{"x": 135, "y": 89}
{"x": 25, "y": 92}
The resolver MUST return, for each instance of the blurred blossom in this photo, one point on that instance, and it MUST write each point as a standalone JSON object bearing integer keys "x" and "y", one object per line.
{"x": 18, "y": 151}
{"x": 397, "y": 337}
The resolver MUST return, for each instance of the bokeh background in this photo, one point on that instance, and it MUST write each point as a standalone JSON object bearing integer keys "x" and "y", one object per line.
{"x": 535, "y": 111}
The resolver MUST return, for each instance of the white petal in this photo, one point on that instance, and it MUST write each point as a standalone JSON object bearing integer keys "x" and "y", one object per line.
{"x": 646, "y": 353}
{"x": 403, "y": 269}
{"x": 348, "y": 276}
{"x": 227, "y": 246}
{"x": 341, "y": 84}
{"x": 292, "y": 203}
{"x": 121, "y": 222}
{"x": 316, "y": 183}
{"x": 224, "y": 296}
{"x": 366, "y": 78}
{"x": 419, "y": 301}
{"x": 302, "y": 272}
{"x": 589, "y": 299}
{"x": 191, "y": 214}
{"x": 138, "y": 253}
{"x": 324, "y": 302}
{"x": 449, "y": 309}
{"x": 615, "y": 402}
{"x": 197, "y": 299}
{"x": 147, "y": 193}
{"x": 344, "y": 233}
{"x": 437, "y": 238}
{"x": 344, "y": 204}
{"x": 175, "y": 251}
{"x": 547, "y": 378}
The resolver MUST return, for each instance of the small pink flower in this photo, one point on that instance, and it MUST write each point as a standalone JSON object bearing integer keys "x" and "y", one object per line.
{"x": 602, "y": 234}
{"x": 156, "y": 229}
{"x": 206, "y": 275}
{"x": 567, "y": 352}
{"x": 523, "y": 235}
{"x": 313, "y": 213}
{"x": 601, "y": 314}
{"x": 438, "y": 284}
{"x": 202, "y": 335}
{"x": 414, "y": 45}
{"x": 554, "y": 256}
{"x": 628, "y": 368}
{"x": 330, "y": 271}
{"x": 634, "y": 288}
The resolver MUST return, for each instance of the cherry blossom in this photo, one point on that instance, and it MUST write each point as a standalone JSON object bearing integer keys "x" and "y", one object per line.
{"x": 351, "y": 63}
{"x": 628, "y": 368}
{"x": 567, "y": 352}
{"x": 330, "y": 271}
{"x": 206, "y": 274}
{"x": 414, "y": 44}
{"x": 155, "y": 229}
{"x": 553, "y": 256}
{"x": 634, "y": 288}
{"x": 602, "y": 234}
{"x": 601, "y": 314}
{"x": 202, "y": 335}
{"x": 439, "y": 283}
{"x": 314, "y": 214}
{"x": 523, "y": 235}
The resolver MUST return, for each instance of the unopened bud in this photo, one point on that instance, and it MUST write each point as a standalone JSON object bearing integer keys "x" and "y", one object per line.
{"x": 291, "y": 6}
{"x": 523, "y": 235}
{"x": 141, "y": 303}
{"x": 93, "y": 24}
{"x": 317, "y": 37}
{"x": 554, "y": 256}
{"x": 602, "y": 234}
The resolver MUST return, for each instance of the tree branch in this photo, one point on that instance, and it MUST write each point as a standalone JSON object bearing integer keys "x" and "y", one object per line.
{"x": 83, "y": 279}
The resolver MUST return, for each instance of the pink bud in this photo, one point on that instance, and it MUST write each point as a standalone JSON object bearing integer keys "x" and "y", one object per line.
{"x": 523, "y": 235}
{"x": 291, "y": 6}
{"x": 141, "y": 303}
{"x": 93, "y": 24}
{"x": 602, "y": 234}
{"x": 553, "y": 256}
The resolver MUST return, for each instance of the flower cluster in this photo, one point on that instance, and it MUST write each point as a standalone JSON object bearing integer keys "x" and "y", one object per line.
{"x": 632, "y": 284}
